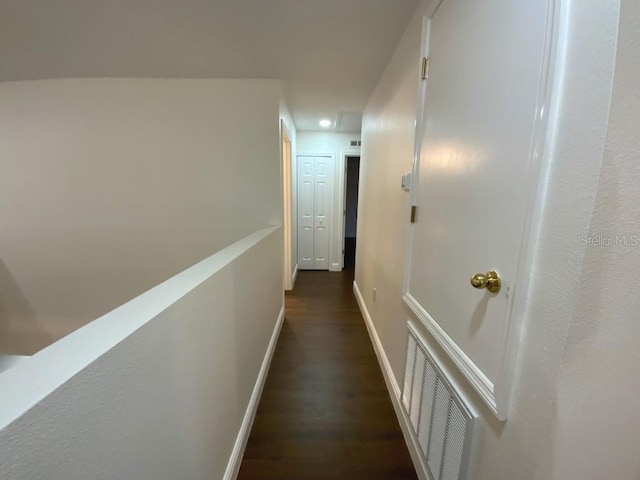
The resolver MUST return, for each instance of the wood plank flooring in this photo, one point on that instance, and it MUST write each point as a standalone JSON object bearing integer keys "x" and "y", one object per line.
{"x": 325, "y": 412}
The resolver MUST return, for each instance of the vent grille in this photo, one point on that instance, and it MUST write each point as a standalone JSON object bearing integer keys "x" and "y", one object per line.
{"x": 416, "y": 393}
{"x": 424, "y": 427}
{"x": 454, "y": 445}
{"x": 356, "y": 143}
{"x": 441, "y": 421}
{"x": 408, "y": 373}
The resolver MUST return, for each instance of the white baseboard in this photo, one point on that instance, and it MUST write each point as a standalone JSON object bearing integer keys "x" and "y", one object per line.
{"x": 233, "y": 467}
{"x": 394, "y": 390}
{"x": 294, "y": 277}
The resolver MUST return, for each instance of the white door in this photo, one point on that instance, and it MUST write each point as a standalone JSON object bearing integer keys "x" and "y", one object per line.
{"x": 315, "y": 194}
{"x": 486, "y": 65}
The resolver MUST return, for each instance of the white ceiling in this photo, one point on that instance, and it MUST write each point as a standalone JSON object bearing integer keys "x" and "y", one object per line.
{"x": 328, "y": 53}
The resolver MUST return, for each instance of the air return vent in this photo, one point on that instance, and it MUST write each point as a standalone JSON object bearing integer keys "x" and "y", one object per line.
{"x": 441, "y": 420}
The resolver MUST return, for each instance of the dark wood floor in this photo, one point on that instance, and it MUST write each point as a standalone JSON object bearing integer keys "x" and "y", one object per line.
{"x": 325, "y": 412}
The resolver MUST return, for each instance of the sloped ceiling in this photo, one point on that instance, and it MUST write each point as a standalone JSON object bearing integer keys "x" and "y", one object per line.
{"x": 328, "y": 53}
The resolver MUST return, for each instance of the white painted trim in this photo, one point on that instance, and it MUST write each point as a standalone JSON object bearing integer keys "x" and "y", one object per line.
{"x": 235, "y": 460}
{"x": 417, "y": 142}
{"x": 478, "y": 379}
{"x": 394, "y": 390}
{"x": 537, "y": 164}
{"x": 332, "y": 228}
{"x": 286, "y": 178}
{"x": 294, "y": 277}
{"x": 341, "y": 181}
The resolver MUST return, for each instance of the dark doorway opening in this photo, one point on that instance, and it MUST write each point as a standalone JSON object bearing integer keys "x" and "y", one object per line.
{"x": 351, "y": 211}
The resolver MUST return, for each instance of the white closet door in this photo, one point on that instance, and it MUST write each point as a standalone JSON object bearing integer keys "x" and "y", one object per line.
{"x": 315, "y": 195}
{"x": 323, "y": 191}
{"x": 306, "y": 204}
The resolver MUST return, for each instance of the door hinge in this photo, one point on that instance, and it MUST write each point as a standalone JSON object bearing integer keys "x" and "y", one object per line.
{"x": 425, "y": 68}
{"x": 344, "y": 212}
{"x": 343, "y": 251}
{"x": 414, "y": 212}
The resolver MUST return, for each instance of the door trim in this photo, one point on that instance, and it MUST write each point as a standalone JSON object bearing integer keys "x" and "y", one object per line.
{"x": 341, "y": 198}
{"x": 286, "y": 174}
{"x": 496, "y": 393}
{"x": 336, "y": 205}
{"x": 332, "y": 228}
{"x": 476, "y": 377}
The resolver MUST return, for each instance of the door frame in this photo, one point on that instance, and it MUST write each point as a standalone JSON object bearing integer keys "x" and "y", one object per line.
{"x": 336, "y": 243}
{"x": 332, "y": 224}
{"x": 343, "y": 183}
{"x": 286, "y": 166}
{"x": 496, "y": 394}
{"x": 336, "y": 260}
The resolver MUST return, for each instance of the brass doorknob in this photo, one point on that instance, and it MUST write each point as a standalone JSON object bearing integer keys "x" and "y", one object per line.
{"x": 490, "y": 281}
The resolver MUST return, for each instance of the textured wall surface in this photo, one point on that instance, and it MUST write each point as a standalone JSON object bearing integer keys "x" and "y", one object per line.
{"x": 598, "y": 428}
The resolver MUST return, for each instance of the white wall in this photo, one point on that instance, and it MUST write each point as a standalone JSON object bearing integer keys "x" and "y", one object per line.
{"x": 573, "y": 412}
{"x": 598, "y": 421}
{"x": 162, "y": 388}
{"x": 338, "y": 145}
{"x": 109, "y": 186}
{"x": 383, "y": 207}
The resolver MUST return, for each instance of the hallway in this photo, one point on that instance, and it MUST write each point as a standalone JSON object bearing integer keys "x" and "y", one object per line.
{"x": 325, "y": 412}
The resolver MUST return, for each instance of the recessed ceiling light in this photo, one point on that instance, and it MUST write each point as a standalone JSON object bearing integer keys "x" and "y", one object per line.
{"x": 325, "y": 123}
